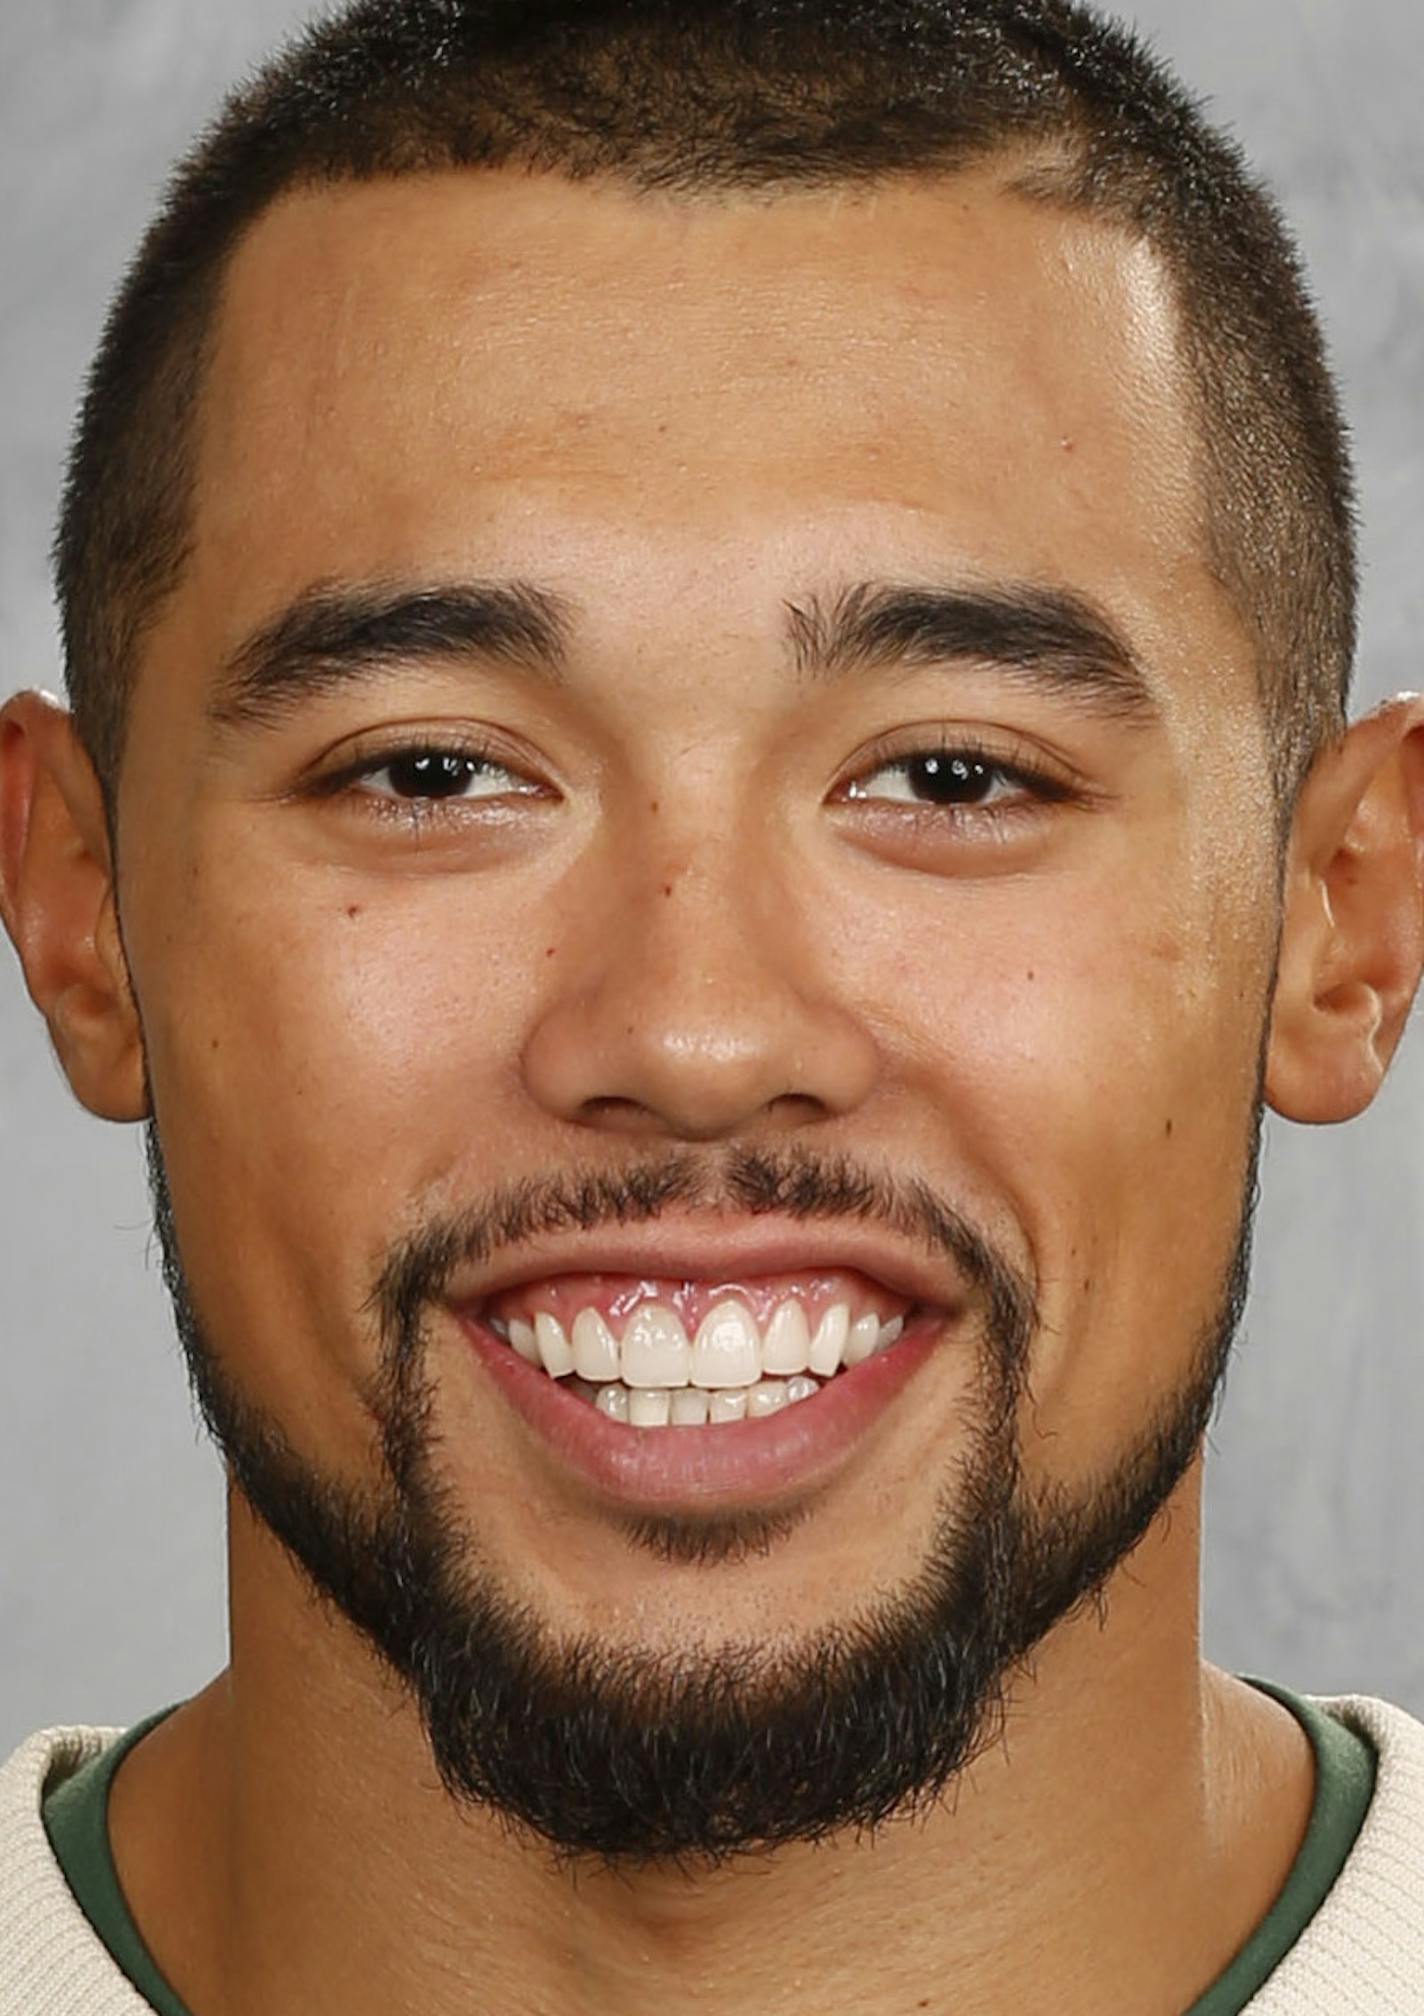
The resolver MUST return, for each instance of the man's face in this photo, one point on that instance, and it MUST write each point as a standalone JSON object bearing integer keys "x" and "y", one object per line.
{"x": 699, "y": 988}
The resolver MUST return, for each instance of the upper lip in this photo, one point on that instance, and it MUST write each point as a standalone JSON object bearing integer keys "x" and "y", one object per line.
{"x": 721, "y": 1251}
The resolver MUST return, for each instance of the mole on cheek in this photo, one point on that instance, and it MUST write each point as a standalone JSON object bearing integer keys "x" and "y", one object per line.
{"x": 353, "y": 910}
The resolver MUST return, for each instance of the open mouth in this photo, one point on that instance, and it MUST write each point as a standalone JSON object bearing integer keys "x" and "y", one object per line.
{"x": 694, "y": 1354}
{"x": 791, "y": 1368}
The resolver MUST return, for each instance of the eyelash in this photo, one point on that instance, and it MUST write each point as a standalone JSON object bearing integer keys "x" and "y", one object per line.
{"x": 416, "y": 812}
{"x": 339, "y": 782}
{"x": 1040, "y": 785}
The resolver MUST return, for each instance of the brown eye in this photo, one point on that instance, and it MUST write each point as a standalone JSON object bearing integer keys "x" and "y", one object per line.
{"x": 424, "y": 773}
{"x": 950, "y": 778}
{"x": 432, "y": 773}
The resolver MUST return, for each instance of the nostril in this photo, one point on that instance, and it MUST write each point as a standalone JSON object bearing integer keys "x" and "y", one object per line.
{"x": 797, "y": 1109}
{"x": 630, "y": 1116}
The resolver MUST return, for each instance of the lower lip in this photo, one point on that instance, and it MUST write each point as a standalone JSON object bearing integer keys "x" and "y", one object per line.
{"x": 722, "y": 1466}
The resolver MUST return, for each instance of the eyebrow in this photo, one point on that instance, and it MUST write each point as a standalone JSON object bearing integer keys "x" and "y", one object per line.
{"x": 1049, "y": 639}
{"x": 333, "y": 636}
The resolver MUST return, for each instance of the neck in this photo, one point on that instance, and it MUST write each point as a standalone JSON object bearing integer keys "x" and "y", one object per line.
{"x": 321, "y": 1868}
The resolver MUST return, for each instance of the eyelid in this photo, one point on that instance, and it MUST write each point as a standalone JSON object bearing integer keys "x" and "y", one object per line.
{"x": 378, "y": 755}
{"x": 1021, "y": 763}
{"x": 1042, "y": 780}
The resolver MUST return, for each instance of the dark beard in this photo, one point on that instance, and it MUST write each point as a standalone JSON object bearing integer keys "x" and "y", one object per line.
{"x": 634, "y": 1758}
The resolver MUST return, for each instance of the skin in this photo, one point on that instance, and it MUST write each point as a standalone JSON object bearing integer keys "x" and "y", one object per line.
{"x": 680, "y": 416}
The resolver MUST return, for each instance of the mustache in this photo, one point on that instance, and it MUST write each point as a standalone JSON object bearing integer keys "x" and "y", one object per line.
{"x": 795, "y": 1183}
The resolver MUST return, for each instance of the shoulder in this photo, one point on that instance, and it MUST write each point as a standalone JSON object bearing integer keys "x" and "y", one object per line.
{"x": 1364, "y": 1948}
{"x": 50, "y": 1956}
{"x": 51, "y": 1755}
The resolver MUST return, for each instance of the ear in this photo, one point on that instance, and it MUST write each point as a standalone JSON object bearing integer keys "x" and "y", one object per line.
{"x": 57, "y": 903}
{"x": 1352, "y": 937}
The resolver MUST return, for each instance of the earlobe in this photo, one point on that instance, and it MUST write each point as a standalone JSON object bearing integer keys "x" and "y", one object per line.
{"x": 57, "y": 903}
{"x": 1352, "y": 935}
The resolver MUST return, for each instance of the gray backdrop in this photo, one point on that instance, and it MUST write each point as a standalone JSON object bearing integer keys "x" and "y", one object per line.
{"x": 112, "y": 1598}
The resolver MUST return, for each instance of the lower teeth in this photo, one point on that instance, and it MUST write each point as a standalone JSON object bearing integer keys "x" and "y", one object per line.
{"x": 693, "y": 1406}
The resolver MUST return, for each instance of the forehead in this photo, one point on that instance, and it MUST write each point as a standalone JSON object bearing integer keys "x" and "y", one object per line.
{"x": 416, "y": 374}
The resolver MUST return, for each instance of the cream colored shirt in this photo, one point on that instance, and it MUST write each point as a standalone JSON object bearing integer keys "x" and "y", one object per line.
{"x": 1362, "y": 1954}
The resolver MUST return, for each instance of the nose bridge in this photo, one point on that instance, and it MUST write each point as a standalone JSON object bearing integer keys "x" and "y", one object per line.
{"x": 691, "y": 855}
{"x": 705, "y": 941}
{"x": 712, "y": 884}
{"x": 694, "y": 1001}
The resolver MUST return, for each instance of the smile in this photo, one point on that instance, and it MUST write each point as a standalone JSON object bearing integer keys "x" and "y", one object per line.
{"x": 785, "y": 1375}
{"x": 646, "y": 1361}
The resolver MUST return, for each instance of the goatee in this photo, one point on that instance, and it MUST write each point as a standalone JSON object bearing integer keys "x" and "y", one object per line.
{"x": 639, "y": 1757}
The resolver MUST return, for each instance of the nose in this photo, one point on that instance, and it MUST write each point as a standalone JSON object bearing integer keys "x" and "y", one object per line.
{"x": 694, "y": 1001}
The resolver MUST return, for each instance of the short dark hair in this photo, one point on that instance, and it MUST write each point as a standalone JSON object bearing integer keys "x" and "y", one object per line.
{"x": 693, "y": 96}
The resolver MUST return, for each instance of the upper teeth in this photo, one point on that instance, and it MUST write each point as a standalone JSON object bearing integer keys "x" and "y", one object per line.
{"x": 727, "y": 1351}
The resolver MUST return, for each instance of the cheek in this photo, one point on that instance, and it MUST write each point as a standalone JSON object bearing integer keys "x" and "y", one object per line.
{"x": 1091, "y": 1066}
{"x": 318, "y": 1065}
